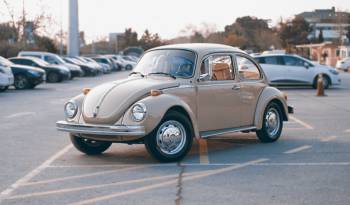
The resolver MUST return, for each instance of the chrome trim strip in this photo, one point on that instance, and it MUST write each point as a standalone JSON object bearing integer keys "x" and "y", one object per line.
{"x": 207, "y": 134}
{"x": 114, "y": 130}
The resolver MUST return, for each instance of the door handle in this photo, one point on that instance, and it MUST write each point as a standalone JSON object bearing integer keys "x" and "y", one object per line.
{"x": 236, "y": 87}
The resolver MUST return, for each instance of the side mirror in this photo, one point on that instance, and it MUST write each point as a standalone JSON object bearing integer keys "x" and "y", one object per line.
{"x": 306, "y": 65}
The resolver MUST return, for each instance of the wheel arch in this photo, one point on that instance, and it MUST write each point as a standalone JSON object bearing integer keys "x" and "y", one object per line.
{"x": 157, "y": 107}
{"x": 268, "y": 96}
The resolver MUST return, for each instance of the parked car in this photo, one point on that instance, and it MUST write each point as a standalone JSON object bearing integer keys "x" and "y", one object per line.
{"x": 106, "y": 63}
{"x": 54, "y": 59}
{"x": 25, "y": 77}
{"x": 87, "y": 69}
{"x": 172, "y": 96}
{"x": 117, "y": 64}
{"x": 129, "y": 64}
{"x": 285, "y": 69}
{"x": 343, "y": 64}
{"x": 6, "y": 77}
{"x": 90, "y": 63}
{"x": 54, "y": 73}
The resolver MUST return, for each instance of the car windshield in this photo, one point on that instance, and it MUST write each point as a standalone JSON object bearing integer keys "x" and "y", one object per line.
{"x": 177, "y": 63}
{"x": 5, "y": 62}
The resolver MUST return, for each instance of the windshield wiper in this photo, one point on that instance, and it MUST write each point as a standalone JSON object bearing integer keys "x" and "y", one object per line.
{"x": 136, "y": 72}
{"x": 168, "y": 74}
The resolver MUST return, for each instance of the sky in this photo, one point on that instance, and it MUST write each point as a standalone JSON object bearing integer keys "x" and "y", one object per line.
{"x": 97, "y": 18}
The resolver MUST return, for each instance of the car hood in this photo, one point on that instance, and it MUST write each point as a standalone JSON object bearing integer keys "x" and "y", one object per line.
{"x": 106, "y": 103}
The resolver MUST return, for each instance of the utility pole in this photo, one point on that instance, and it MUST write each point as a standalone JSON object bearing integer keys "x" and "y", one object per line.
{"x": 73, "y": 30}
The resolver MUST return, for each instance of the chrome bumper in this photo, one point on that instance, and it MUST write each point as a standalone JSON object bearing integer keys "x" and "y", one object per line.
{"x": 104, "y": 130}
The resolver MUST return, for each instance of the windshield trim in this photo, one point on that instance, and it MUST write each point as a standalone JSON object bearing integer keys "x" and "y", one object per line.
{"x": 178, "y": 49}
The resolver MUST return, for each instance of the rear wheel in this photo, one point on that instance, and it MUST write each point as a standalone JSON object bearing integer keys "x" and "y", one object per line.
{"x": 21, "y": 82}
{"x": 128, "y": 67}
{"x": 89, "y": 147}
{"x": 272, "y": 124}
{"x": 171, "y": 139}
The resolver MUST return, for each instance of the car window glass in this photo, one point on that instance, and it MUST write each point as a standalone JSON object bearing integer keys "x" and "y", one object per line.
{"x": 50, "y": 60}
{"x": 271, "y": 60}
{"x": 247, "y": 69}
{"x": 292, "y": 61}
{"x": 218, "y": 67}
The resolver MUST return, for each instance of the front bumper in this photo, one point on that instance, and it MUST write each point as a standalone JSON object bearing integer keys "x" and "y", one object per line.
{"x": 102, "y": 130}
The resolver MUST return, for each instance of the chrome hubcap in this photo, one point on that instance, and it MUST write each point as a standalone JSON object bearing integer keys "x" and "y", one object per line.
{"x": 171, "y": 137}
{"x": 272, "y": 122}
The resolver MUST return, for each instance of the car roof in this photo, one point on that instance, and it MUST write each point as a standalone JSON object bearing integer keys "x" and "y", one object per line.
{"x": 274, "y": 54}
{"x": 202, "y": 48}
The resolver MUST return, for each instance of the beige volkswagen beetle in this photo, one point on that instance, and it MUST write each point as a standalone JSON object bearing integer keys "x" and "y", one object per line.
{"x": 176, "y": 93}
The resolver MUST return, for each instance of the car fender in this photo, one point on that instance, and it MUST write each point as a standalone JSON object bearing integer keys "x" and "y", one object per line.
{"x": 267, "y": 95}
{"x": 156, "y": 107}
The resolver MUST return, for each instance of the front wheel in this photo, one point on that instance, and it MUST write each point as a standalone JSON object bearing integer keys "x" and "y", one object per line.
{"x": 172, "y": 139}
{"x": 89, "y": 147}
{"x": 272, "y": 124}
{"x": 21, "y": 82}
{"x": 326, "y": 82}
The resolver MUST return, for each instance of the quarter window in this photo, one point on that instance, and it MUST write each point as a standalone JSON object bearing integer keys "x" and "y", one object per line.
{"x": 247, "y": 69}
{"x": 217, "y": 68}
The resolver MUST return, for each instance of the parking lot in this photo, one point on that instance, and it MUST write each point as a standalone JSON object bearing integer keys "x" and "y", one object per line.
{"x": 310, "y": 164}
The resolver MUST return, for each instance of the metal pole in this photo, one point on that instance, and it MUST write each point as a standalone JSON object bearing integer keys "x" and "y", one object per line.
{"x": 73, "y": 30}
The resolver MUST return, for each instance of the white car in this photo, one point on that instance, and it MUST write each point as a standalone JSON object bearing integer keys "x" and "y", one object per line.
{"x": 343, "y": 64}
{"x": 6, "y": 77}
{"x": 285, "y": 69}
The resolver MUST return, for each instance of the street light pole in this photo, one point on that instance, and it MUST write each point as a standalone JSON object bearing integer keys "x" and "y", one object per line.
{"x": 73, "y": 30}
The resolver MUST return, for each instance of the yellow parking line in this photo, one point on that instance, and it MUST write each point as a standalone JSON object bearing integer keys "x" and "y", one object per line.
{"x": 306, "y": 125}
{"x": 203, "y": 151}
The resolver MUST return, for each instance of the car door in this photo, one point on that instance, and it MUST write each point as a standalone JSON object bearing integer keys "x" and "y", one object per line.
{"x": 299, "y": 71}
{"x": 251, "y": 84}
{"x": 273, "y": 68}
{"x": 217, "y": 94}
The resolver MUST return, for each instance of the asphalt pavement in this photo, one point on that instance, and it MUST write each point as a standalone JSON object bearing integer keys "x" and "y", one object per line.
{"x": 310, "y": 164}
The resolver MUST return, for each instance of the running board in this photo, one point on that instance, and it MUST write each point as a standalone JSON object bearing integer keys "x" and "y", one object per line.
{"x": 207, "y": 134}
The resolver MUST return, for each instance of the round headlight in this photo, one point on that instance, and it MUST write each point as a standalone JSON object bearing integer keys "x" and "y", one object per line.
{"x": 70, "y": 109}
{"x": 138, "y": 112}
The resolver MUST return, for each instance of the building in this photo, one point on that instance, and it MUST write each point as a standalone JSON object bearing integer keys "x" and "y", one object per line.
{"x": 333, "y": 24}
{"x": 116, "y": 40}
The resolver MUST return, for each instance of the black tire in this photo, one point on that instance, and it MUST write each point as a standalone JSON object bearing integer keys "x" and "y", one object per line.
{"x": 89, "y": 147}
{"x": 53, "y": 77}
{"x": 326, "y": 82}
{"x": 156, "y": 151}
{"x": 3, "y": 89}
{"x": 128, "y": 67}
{"x": 21, "y": 82}
{"x": 264, "y": 134}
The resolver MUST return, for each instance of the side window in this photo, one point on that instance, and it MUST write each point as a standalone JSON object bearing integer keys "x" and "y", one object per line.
{"x": 260, "y": 60}
{"x": 217, "y": 68}
{"x": 50, "y": 60}
{"x": 292, "y": 61}
{"x": 272, "y": 60}
{"x": 247, "y": 69}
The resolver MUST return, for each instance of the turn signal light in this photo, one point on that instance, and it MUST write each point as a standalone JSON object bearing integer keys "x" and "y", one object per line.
{"x": 155, "y": 92}
{"x": 285, "y": 96}
{"x": 86, "y": 91}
